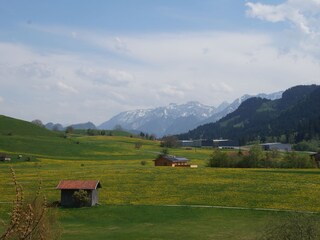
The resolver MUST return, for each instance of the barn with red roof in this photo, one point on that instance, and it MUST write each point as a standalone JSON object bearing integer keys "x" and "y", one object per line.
{"x": 69, "y": 187}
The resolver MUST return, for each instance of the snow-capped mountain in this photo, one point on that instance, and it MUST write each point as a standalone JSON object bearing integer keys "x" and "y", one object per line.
{"x": 229, "y": 108}
{"x": 175, "y": 118}
{"x": 171, "y": 119}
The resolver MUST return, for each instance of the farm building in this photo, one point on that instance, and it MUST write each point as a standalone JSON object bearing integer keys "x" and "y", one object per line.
{"x": 276, "y": 146}
{"x": 221, "y": 143}
{"x": 316, "y": 157}
{"x": 68, "y": 187}
{"x": 225, "y": 143}
{"x": 190, "y": 143}
{"x": 4, "y": 157}
{"x": 171, "y": 161}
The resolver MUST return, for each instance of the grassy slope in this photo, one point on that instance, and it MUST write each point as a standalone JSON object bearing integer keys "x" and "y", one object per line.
{"x": 28, "y": 139}
{"x": 22, "y": 128}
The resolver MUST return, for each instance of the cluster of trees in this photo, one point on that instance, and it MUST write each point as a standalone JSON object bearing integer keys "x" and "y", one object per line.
{"x": 90, "y": 132}
{"x": 257, "y": 158}
{"x": 169, "y": 142}
{"x": 95, "y": 132}
{"x": 38, "y": 123}
{"x": 147, "y": 136}
{"x": 311, "y": 145}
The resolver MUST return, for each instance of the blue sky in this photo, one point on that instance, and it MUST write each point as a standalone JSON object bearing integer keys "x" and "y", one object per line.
{"x": 74, "y": 61}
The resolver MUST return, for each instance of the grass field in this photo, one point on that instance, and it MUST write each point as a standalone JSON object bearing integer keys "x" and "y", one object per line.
{"x": 154, "y": 222}
{"x": 157, "y": 222}
{"x": 133, "y": 195}
{"x": 128, "y": 182}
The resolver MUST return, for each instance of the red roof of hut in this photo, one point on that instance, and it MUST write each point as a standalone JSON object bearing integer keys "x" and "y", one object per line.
{"x": 79, "y": 184}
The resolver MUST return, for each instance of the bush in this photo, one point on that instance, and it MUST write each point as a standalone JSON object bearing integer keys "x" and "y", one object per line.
{"x": 294, "y": 160}
{"x": 218, "y": 159}
{"x": 81, "y": 198}
{"x": 313, "y": 146}
{"x": 143, "y": 163}
{"x": 294, "y": 227}
{"x": 137, "y": 145}
{"x": 259, "y": 159}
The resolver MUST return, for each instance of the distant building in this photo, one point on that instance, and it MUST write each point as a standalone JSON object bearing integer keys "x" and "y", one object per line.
{"x": 68, "y": 187}
{"x": 190, "y": 143}
{"x": 276, "y": 146}
{"x": 221, "y": 143}
{"x": 171, "y": 161}
{"x": 4, "y": 157}
{"x": 225, "y": 143}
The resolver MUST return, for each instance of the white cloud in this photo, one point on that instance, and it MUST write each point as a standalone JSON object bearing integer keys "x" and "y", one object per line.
{"x": 266, "y": 12}
{"x": 304, "y": 14}
{"x": 109, "y": 76}
{"x": 148, "y": 70}
{"x": 66, "y": 88}
{"x": 120, "y": 45}
{"x": 171, "y": 92}
{"x": 304, "y": 17}
{"x": 222, "y": 87}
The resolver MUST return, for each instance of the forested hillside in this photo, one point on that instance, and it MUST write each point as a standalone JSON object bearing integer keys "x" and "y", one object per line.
{"x": 293, "y": 118}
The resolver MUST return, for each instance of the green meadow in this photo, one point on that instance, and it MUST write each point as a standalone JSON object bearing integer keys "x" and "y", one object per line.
{"x": 134, "y": 196}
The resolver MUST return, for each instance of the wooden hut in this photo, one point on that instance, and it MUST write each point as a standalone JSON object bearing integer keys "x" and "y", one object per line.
{"x": 68, "y": 187}
{"x": 171, "y": 161}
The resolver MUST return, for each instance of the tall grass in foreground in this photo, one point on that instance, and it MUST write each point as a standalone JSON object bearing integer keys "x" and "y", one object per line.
{"x": 30, "y": 220}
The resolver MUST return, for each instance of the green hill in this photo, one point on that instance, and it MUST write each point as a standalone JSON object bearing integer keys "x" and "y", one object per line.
{"x": 293, "y": 118}
{"x": 19, "y": 137}
{"x": 12, "y": 126}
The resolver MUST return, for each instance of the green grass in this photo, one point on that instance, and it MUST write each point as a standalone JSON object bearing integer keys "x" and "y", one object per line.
{"x": 14, "y": 127}
{"x": 159, "y": 222}
{"x": 28, "y": 139}
{"x": 127, "y": 185}
{"x": 155, "y": 222}
{"x": 128, "y": 182}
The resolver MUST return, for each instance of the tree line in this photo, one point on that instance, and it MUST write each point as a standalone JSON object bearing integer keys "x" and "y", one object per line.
{"x": 257, "y": 158}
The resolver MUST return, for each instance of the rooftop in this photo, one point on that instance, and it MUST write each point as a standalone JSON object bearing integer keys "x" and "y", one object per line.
{"x": 79, "y": 184}
{"x": 176, "y": 159}
{"x": 274, "y": 143}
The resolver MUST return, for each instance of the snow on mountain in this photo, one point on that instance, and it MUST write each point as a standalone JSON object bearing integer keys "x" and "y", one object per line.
{"x": 158, "y": 120}
{"x": 236, "y": 103}
{"x": 176, "y": 118}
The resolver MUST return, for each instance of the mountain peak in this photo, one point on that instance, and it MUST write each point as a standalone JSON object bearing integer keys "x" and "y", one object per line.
{"x": 173, "y": 118}
{"x": 295, "y": 115}
{"x": 176, "y": 117}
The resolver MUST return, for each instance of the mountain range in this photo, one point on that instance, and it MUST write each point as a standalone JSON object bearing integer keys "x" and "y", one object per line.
{"x": 175, "y": 118}
{"x": 293, "y": 117}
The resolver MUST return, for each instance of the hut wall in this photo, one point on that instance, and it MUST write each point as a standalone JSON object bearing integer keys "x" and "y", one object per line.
{"x": 94, "y": 197}
{"x": 162, "y": 162}
{"x": 66, "y": 198}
